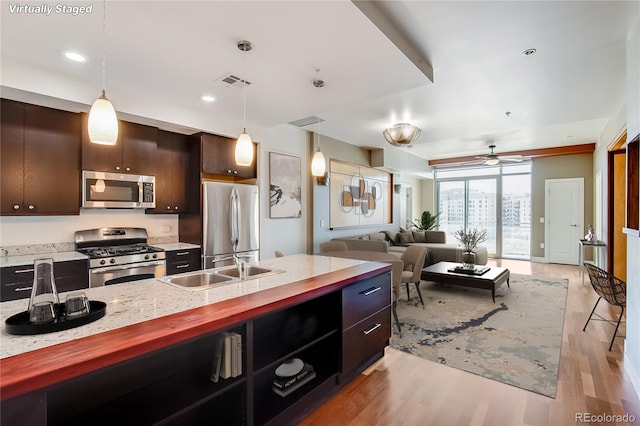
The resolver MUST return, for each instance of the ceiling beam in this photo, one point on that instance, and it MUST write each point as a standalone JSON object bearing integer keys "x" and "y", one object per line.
{"x": 373, "y": 11}
{"x": 586, "y": 148}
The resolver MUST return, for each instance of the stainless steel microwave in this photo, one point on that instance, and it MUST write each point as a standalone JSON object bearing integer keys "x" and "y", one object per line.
{"x": 118, "y": 190}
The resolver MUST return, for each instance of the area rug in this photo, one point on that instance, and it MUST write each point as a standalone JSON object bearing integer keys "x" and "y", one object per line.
{"x": 515, "y": 340}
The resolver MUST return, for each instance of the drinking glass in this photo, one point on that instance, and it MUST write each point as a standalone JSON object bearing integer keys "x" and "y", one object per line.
{"x": 76, "y": 304}
{"x": 44, "y": 295}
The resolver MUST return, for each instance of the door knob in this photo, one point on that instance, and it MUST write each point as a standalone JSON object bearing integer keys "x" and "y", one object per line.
{"x": 128, "y": 169}
{"x": 16, "y": 207}
{"x": 117, "y": 167}
{"x": 31, "y": 207}
{"x": 175, "y": 208}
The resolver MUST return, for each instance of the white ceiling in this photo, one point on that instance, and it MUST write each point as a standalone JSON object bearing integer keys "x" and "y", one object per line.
{"x": 163, "y": 55}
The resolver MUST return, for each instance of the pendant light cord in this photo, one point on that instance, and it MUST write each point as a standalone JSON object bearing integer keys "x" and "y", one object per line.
{"x": 104, "y": 46}
{"x": 244, "y": 90}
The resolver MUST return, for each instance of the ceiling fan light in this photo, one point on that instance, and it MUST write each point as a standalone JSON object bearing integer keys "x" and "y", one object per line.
{"x": 401, "y": 134}
{"x": 492, "y": 161}
{"x": 103, "y": 123}
{"x": 244, "y": 149}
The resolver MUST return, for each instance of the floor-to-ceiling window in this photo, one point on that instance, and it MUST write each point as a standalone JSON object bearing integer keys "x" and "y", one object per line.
{"x": 496, "y": 198}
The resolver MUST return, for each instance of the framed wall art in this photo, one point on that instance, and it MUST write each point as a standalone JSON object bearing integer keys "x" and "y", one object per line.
{"x": 359, "y": 196}
{"x": 285, "y": 187}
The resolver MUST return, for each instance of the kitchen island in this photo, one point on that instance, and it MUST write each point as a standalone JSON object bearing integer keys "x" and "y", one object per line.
{"x": 150, "y": 357}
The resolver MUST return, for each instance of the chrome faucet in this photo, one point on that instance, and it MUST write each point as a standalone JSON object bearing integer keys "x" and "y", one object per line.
{"x": 240, "y": 262}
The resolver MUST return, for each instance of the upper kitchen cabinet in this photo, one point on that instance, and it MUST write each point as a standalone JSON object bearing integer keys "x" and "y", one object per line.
{"x": 171, "y": 159}
{"x": 40, "y": 160}
{"x": 133, "y": 153}
{"x": 218, "y": 158}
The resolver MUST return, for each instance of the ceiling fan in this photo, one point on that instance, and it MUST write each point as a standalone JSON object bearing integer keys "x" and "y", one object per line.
{"x": 493, "y": 159}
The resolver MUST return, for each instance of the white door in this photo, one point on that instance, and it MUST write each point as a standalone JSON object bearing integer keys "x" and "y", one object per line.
{"x": 564, "y": 224}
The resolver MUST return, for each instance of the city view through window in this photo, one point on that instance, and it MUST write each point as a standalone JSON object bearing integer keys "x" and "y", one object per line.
{"x": 497, "y": 199}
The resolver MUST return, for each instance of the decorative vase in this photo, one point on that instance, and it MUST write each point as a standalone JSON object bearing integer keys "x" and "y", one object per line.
{"x": 468, "y": 260}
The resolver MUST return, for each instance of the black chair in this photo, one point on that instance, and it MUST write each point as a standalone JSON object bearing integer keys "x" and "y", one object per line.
{"x": 609, "y": 288}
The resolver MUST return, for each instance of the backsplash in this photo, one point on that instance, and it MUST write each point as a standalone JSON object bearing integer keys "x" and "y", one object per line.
{"x": 65, "y": 247}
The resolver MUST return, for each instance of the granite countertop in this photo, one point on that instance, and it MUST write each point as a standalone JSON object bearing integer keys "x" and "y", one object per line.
{"x": 144, "y": 300}
{"x": 176, "y": 246}
{"x": 27, "y": 259}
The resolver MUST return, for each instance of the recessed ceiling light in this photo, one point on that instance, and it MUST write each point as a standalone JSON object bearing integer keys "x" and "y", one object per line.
{"x": 74, "y": 56}
{"x": 529, "y": 52}
{"x": 208, "y": 98}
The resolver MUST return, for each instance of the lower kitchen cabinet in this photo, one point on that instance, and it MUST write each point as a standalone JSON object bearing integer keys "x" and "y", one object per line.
{"x": 16, "y": 281}
{"x": 174, "y": 385}
{"x": 185, "y": 260}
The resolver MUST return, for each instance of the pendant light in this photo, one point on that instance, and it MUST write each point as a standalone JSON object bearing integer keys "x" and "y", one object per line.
{"x": 103, "y": 123}
{"x": 244, "y": 145}
{"x": 318, "y": 164}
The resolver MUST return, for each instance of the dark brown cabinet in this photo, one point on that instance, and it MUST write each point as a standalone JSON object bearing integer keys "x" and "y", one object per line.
{"x": 218, "y": 158}
{"x": 17, "y": 280}
{"x": 40, "y": 160}
{"x": 179, "y": 261}
{"x": 171, "y": 160}
{"x": 366, "y": 325}
{"x": 133, "y": 153}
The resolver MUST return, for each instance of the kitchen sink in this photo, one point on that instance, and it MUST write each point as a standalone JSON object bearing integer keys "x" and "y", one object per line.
{"x": 201, "y": 280}
{"x": 251, "y": 271}
{"x": 197, "y": 280}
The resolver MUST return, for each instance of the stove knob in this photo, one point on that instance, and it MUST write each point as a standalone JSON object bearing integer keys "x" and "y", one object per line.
{"x": 146, "y": 257}
{"x": 155, "y": 256}
{"x": 112, "y": 261}
{"x": 102, "y": 262}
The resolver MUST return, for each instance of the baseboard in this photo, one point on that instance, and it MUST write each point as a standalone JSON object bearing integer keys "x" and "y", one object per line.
{"x": 634, "y": 377}
{"x": 539, "y": 259}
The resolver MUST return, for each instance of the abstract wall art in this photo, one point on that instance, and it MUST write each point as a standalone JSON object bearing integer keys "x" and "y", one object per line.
{"x": 360, "y": 196}
{"x": 285, "y": 188}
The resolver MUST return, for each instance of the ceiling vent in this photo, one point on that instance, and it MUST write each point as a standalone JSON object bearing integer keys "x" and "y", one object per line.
{"x": 231, "y": 80}
{"x": 307, "y": 121}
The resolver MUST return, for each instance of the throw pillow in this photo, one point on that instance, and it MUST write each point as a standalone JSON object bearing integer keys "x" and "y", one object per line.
{"x": 378, "y": 236}
{"x": 404, "y": 238}
{"x": 418, "y": 237}
{"x": 391, "y": 235}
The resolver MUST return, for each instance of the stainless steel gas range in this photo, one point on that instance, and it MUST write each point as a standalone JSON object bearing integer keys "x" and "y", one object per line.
{"x": 119, "y": 255}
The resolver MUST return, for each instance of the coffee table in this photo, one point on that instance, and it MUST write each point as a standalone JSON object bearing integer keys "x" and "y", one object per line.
{"x": 490, "y": 280}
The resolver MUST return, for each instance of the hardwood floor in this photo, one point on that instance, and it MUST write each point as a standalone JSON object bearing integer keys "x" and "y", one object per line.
{"x": 402, "y": 389}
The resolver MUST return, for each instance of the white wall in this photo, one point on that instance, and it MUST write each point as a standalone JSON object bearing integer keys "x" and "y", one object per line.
{"x": 286, "y": 235}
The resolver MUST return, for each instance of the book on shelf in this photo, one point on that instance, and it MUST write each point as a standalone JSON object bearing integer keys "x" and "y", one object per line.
{"x": 225, "y": 368}
{"x": 286, "y": 382}
{"x": 218, "y": 349}
{"x": 227, "y": 356}
{"x": 238, "y": 354}
{"x": 284, "y": 392}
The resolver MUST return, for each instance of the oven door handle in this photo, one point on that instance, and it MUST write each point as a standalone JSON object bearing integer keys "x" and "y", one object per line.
{"x": 125, "y": 267}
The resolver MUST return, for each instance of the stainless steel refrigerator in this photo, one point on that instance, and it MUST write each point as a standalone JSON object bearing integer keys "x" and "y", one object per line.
{"x": 231, "y": 222}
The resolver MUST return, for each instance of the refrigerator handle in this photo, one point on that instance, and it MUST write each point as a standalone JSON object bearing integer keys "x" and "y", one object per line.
{"x": 234, "y": 219}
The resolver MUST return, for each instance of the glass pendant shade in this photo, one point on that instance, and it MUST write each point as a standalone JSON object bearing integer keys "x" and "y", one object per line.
{"x": 401, "y": 134}
{"x": 318, "y": 166}
{"x": 103, "y": 123}
{"x": 244, "y": 149}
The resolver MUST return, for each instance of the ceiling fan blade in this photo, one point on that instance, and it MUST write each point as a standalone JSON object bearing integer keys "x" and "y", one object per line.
{"x": 511, "y": 160}
{"x": 510, "y": 157}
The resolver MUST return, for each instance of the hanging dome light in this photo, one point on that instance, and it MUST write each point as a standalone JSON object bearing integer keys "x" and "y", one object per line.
{"x": 103, "y": 123}
{"x": 244, "y": 145}
{"x": 318, "y": 164}
{"x": 401, "y": 134}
